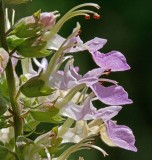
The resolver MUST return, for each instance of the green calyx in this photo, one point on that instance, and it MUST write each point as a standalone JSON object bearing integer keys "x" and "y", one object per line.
{"x": 35, "y": 87}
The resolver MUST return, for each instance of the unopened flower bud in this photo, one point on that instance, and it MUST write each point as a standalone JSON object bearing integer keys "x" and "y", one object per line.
{"x": 16, "y": 1}
{"x": 48, "y": 19}
{"x": 32, "y": 25}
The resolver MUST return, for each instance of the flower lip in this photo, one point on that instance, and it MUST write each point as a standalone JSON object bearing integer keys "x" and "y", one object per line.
{"x": 112, "y": 95}
{"x": 114, "y": 60}
{"x": 121, "y": 136}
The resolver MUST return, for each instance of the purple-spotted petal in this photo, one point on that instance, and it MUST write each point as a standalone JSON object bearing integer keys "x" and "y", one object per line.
{"x": 95, "y": 44}
{"x": 113, "y": 60}
{"x": 121, "y": 136}
{"x": 113, "y": 95}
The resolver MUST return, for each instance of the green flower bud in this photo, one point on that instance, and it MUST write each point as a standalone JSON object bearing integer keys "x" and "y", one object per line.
{"x": 33, "y": 47}
{"x": 35, "y": 24}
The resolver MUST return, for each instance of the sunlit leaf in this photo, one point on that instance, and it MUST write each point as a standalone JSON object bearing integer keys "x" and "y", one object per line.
{"x": 35, "y": 87}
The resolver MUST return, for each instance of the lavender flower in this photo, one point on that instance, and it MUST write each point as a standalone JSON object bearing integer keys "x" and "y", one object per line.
{"x": 45, "y": 92}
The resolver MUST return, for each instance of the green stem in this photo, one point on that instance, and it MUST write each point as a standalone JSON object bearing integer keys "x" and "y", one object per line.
{"x": 69, "y": 95}
{"x": 65, "y": 127}
{"x": 10, "y": 77}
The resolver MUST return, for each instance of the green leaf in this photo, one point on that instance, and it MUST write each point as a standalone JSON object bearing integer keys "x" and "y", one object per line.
{"x": 17, "y": 27}
{"x": 52, "y": 111}
{"x": 3, "y": 122}
{"x": 33, "y": 47}
{"x": 55, "y": 143}
{"x": 30, "y": 125}
{"x": 6, "y": 154}
{"x": 35, "y": 87}
{"x": 13, "y": 41}
{"x": 4, "y": 88}
{"x": 48, "y": 116}
{"x": 27, "y": 148}
{"x": 3, "y": 105}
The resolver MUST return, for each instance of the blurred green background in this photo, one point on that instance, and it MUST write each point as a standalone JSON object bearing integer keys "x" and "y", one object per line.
{"x": 127, "y": 24}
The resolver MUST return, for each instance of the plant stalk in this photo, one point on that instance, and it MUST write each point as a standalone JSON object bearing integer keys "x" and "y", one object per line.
{"x": 18, "y": 128}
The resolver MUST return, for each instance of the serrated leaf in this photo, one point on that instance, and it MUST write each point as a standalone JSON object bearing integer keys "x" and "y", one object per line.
{"x": 35, "y": 87}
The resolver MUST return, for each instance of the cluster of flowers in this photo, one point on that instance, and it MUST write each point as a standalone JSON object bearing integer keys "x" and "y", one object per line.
{"x": 63, "y": 97}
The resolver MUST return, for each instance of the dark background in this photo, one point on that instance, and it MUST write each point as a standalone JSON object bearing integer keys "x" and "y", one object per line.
{"x": 127, "y": 25}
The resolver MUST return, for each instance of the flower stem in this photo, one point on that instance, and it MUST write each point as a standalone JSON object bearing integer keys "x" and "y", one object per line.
{"x": 10, "y": 77}
{"x": 65, "y": 127}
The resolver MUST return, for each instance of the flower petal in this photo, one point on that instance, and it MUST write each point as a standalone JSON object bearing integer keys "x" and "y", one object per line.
{"x": 113, "y": 95}
{"x": 94, "y": 73}
{"x": 55, "y": 42}
{"x": 108, "y": 112}
{"x": 113, "y": 60}
{"x": 79, "y": 112}
{"x": 95, "y": 44}
{"x": 88, "y": 112}
{"x": 4, "y": 57}
{"x": 121, "y": 136}
{"x": 91, "y": 77}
